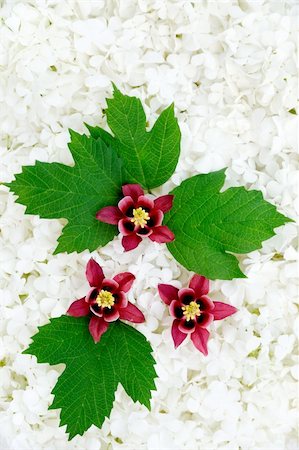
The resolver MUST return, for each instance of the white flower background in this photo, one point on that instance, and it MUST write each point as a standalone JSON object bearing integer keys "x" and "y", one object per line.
{"x": 230, "y": 69}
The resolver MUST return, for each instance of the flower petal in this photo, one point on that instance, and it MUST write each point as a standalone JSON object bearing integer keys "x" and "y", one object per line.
{"x": 143, "y": 232}
{"x": 145, "y": 203}
{"x": 156, "y": 217}
{"x": 131, "y": 313}
{"x": 124, "y": 280}
{"x": 91, "y": 295}
{"x": 205, "y": 304}
{"x": 186, "y": 295}
{"x": 200, "y": 339}
{"x": 126, "y": 206}
{"x": 175, "y": 309}
{"x": 97, "y": 327}
{"x": 110, "y": 285}
{"x": 200, "y": 285}
{"x": 223, "y": 310}
{"x": 132, "y": 190}
{"x": 162, "y": 234}
{"x": 96, "y": 310}
{"x": 78, "y": 308}
{"x": 205, "y": 319}
{"x": 110, "y": 314}
{"x": 187, "y": 326}
{"x": 130, "y": 242}
{"x": 177, "y": 336}
{"x": 120, "y": 299}
{"x": 164, "y": 202}
{"x": 109, "y": 214}
{"x": 126, "y": 227}
{"x": 168, "y": 293}
{"x": 94, "y": 273}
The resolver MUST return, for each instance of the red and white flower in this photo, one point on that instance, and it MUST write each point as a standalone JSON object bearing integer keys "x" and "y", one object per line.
{"x": 138, "y": 216}
{"x": 193, "y": 311}
{"x": 106, "y": 300}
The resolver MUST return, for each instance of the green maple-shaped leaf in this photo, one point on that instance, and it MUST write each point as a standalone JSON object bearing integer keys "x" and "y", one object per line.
{"x": 85, "y": 390}
{"x": 209, "y": 225}
{"x": 150, "y": 157}
{"x": 54, "y": 190}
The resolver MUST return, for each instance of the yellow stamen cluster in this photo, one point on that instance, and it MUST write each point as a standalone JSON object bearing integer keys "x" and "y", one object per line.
{"x": 140, "y": 217}
{"x": 191, "y": 311}
{"x": 105, "y": 299}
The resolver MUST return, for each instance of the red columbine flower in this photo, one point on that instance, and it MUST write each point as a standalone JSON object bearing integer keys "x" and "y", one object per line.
{"x": 193, "y": 311}
{"x": 138, "y": 216}
{"x": 106, "y": 301}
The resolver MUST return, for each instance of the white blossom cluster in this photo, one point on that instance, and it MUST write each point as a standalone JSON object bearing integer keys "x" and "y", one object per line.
{"x": 230, "y": 68}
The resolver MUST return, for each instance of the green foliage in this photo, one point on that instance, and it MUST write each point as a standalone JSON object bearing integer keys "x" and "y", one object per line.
{"x": 150, "y": 157}
{"x": 85, "y": 390}
{"x": 99, "y": 133}
{"x": 53, "y": 190}
{"x": 209, "y": 225}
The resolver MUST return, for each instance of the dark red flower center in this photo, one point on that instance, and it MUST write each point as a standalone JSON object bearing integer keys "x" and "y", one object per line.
{"x": 189, "y": 324}
{"x": 129, "y": 211}
{"x": 129, "y": 226}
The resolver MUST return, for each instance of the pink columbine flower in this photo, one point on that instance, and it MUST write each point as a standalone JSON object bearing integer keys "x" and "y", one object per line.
{"x": 138, "y": 216}
{"x": 106, "y": 300}
{"x": 193, "y": 311}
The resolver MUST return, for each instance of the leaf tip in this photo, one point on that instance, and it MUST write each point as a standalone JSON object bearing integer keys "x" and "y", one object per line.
{"x": 73, "y": 133}
{"x": 223, "y": 170}
{"x": 8, "y": 185}
{"x": 148, "y": 405}
{"x": 241, "y": 275}
{"x": 26, "y": 351}
{"x": 57, "y": 250}
{"x": 288, "y": 219}
{"x": 89, "y": 127}
{"x": 115, "y": 88}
